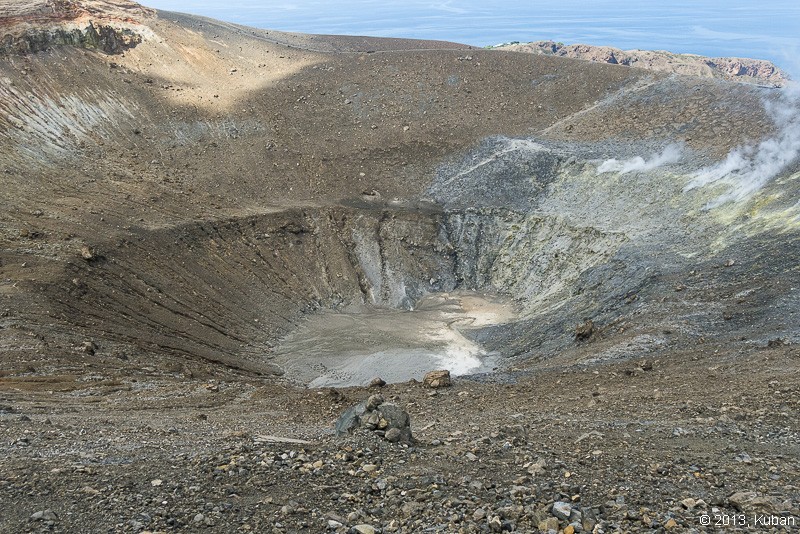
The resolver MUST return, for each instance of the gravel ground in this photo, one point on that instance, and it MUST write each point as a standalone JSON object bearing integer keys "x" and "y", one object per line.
{"x": 615, "y": 447}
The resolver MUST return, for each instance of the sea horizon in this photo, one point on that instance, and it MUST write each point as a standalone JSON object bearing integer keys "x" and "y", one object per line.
{"x": 769, "y": 30}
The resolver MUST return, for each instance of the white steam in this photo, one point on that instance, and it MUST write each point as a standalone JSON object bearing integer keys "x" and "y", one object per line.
{"x": 671, "y": 154}
{"x": 747, "y": 169}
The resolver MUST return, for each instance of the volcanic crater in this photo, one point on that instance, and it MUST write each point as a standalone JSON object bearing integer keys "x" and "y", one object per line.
{"x": 201, "y": 218}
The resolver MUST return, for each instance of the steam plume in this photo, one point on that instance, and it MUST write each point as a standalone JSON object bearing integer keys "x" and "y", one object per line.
{"x": 671, "y": 154}
{"x": 747, "y": 169}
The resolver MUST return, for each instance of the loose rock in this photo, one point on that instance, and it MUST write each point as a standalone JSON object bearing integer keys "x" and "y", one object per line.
{"x": 584, "y": 331}
{"x": 562, "y": 510}
{"x": 390, "y": 420}
{"x": 437, "y": 379}
{"x": 87, "y": 253}
{"x": 44, "y": 515}
{"x": 377, "y": 382}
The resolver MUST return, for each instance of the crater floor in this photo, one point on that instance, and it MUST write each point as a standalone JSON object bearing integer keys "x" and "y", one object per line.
{"x": 351, "y": 347}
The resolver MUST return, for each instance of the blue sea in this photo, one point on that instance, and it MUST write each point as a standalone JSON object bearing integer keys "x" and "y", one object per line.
{"x": 767, "y": 29}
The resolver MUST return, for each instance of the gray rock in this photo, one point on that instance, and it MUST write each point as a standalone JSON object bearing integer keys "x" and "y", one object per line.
{"x": 538, "y": 467}
{"x": 410, "y": 509}
{"x": 370, "y": 420}
{"x": 589, "y": 520}
{"x": 395, "y": 416}
{"x": 199, "y": 518}
{"x": 349, "y": 420}
{"x": 363, "y": 529}
{"x": 44, "y": 515}
{"x": 562, "y": 510}
{"x": 377, "y": 382}
{"x": 751, "y": 502}
{"x": 373, "y": 402}
{"x": 374, "y": 414}
{"x": 287, "y": 509}
{"x": 393, "y": 435}
{"x": 741, "y": 499}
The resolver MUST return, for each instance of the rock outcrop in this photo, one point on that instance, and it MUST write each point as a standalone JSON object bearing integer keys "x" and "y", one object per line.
{"x": 746, "y": 70}
{"x": 111, "y": 27}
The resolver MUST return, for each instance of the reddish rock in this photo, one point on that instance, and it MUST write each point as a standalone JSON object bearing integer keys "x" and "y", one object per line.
{"x": 437, "y": 379}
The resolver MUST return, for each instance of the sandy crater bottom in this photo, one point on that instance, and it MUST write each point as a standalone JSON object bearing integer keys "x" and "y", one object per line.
{"x": 351, "y": 347}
